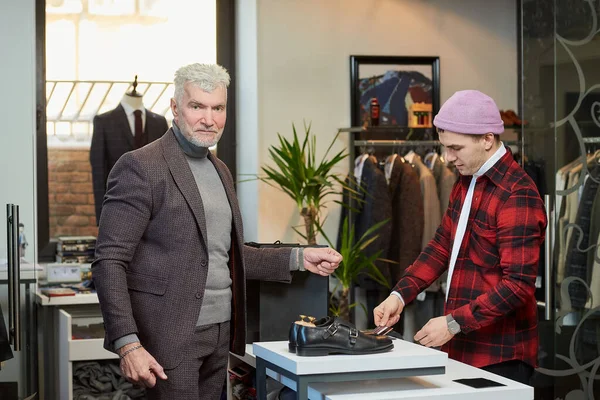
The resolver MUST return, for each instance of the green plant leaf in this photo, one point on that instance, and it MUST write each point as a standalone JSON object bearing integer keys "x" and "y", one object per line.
{"x": 296, "y": 172}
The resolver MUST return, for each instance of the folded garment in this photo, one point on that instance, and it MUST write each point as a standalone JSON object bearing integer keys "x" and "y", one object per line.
{"x": 102, "y": 381}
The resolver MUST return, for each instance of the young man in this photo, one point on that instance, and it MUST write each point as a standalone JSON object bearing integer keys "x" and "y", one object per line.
{"x": 171, "y": 265}
{"x": 489, "y": 242}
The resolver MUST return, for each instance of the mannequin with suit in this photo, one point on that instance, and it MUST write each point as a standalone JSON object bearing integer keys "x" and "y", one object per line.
{"x": 114, "y": 135}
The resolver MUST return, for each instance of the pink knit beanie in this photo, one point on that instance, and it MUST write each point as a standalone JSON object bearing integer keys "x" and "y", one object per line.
{"x": 469, "y": 111}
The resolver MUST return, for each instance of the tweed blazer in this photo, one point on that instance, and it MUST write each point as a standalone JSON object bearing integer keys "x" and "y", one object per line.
{"x": 111, "y": 138}
{"x": 151, "y": 254}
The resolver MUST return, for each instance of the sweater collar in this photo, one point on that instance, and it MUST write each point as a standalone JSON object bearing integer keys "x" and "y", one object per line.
{"x": 189, "y": 148}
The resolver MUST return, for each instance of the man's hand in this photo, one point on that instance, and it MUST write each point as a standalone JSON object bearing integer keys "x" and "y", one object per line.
{"x": 139, "y": 367}
{"x": 388, "y": 312}
{"x": 321, "y": 261}
{"x": 435, "y": 333}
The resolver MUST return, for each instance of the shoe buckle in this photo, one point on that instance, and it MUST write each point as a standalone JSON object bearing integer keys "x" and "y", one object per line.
{"x": 353, "y": 335}
{"x": 329, "y": 331}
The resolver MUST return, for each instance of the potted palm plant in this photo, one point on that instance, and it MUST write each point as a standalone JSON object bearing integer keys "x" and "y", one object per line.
{"x": 354, "y": 263}
{"x": 307, "y": 181}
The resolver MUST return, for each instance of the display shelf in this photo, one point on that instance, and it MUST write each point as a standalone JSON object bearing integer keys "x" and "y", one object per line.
{"x": 71, "y": 350}
{"x": 77, "y": 299}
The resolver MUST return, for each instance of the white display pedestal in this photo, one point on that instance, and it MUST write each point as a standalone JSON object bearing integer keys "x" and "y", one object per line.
{"x": 442, "y": 387}
{"x": 352, "y": 382}
{"x": 406, "y": 359}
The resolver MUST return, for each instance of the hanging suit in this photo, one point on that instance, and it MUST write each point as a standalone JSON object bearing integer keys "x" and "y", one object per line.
{"x": 407, "y": 217}
{"x": 111, "y": 138}
{"x": 376, "y": 206}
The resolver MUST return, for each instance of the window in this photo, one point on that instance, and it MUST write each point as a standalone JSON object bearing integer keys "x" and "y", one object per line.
{"x": 95, "y": 48}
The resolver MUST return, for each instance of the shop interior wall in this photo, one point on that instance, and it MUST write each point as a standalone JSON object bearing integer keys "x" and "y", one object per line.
{"x": 17, "y": 112}
{"x": 297, "y": 53}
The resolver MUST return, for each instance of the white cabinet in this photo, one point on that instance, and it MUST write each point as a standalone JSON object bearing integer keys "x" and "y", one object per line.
{"x": 72, "y": 348}
{"x": 71, "y": 330}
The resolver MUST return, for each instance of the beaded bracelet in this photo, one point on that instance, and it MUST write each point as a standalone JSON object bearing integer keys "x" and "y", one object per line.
{"x": 139, "y": 346}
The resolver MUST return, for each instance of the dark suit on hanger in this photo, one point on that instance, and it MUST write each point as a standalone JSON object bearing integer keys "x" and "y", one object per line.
{"x": 407, "y": 217}
{"x": 112, "y": 137}
{"x": 375, "y": 207}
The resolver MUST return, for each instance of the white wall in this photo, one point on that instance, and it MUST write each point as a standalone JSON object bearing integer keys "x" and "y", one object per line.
{"x": 17, "y": 113}
{"x": 303, "y": 49}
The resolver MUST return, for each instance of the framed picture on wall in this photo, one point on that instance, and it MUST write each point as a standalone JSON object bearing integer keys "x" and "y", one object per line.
{"x": 406, "y": 89}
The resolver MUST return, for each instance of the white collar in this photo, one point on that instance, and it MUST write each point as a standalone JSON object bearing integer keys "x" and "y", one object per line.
{"x": 491, "y": 161}
{"x": 358, "y": 167}
{"x": 129, "y": 109}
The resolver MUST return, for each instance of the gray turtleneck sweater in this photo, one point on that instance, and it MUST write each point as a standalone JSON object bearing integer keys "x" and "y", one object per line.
{"x": 216, "y": 303}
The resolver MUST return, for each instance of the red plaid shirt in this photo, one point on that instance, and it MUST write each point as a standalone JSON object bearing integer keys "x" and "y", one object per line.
{"x": 492, "y": 291}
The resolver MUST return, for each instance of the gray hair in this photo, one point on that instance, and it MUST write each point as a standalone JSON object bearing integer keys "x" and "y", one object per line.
{"x": 206, "y": 76}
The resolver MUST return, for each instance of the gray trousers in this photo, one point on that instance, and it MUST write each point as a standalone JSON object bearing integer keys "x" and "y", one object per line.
{"x": 202, "y": 372}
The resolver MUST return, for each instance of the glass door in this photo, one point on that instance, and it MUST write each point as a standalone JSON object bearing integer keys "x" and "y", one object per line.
{"x": 18, "y": 332}
{"x": 560, "y": 96}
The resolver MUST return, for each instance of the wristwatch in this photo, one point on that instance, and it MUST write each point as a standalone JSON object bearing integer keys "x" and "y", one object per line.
{"x": 453, "y": 326}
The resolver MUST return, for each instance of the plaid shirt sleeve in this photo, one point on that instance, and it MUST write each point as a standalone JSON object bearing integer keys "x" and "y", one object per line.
{"x": 521, "y": 229}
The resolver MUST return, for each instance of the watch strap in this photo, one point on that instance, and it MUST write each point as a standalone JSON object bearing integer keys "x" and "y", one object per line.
{"x": 453, "y": 326}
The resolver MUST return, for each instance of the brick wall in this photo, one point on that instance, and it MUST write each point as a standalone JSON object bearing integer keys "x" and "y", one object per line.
{"x": 70, "y": 195}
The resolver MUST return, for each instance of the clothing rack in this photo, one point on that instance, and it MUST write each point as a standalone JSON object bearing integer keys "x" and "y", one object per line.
{"x": 406, "y": 143}
{"x": 399, "y": 143}
{"x": 387, "y": 143}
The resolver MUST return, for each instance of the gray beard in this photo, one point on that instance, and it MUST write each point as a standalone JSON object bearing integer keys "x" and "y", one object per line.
{"x": 187, "y": 133}
{"x": 203, "y": 143}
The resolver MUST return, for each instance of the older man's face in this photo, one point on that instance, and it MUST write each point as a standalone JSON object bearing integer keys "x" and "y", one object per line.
{"x": 201, "y": 115}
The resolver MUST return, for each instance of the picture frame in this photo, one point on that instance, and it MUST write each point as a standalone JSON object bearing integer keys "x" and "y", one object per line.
{"x": 407, "y": 89}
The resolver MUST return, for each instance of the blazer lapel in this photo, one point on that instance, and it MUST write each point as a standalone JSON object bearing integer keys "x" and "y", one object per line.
{"x": 184, "y": 179}
{"x": 231, "y": 196}
{"x": 123, "y": 125}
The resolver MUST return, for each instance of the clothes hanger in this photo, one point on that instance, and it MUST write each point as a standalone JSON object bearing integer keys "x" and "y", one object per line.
{"x": 410, "y": 156}
{"x": 594, "y": 158}
{"x": 392, "y": 157}
{"x": 430, "y": 159}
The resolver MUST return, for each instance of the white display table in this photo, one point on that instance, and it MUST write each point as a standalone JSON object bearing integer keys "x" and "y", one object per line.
{"x": 350, "y": 387}
{"x": 406, "y": 359}
{"x": 424, "y": 387}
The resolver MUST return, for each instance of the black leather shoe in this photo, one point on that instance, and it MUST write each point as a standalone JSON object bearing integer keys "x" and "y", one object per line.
{"x": 338, "y": 337}
{"x": 294, "y": 331}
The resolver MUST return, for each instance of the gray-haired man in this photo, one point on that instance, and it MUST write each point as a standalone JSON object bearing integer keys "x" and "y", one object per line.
{"x": 171, "y": 266}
